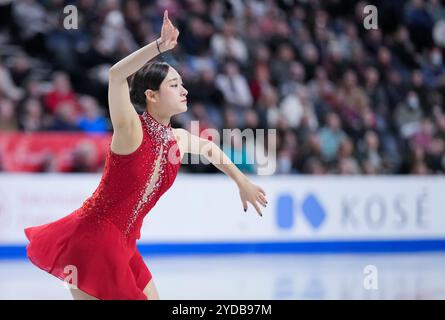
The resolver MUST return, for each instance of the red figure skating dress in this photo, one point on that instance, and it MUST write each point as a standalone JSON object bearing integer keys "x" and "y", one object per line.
{"x": 97, "y": 242}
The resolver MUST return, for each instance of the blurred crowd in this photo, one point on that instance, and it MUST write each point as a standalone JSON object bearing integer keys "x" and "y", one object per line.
{"x": 343, "y": 99}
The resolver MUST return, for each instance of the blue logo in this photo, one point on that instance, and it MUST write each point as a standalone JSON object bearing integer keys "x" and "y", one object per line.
{"x": 311, "y": 210}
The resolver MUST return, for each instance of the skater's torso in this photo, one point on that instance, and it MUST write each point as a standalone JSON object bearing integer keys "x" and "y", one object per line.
{"x": 132, "y": 184}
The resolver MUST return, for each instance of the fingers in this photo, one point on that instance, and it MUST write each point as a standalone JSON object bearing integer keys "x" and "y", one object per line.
{"x": 176, "y": 33}
{"x": 263, "y": 197}
{"x": 169, "y": 24}
{"x": 257, "y": 207}
{"x": 167, "y": 20}
{"x": 262, "y": 200}
{"x": 262, "y": 191}
{"x": 245, "y": 205}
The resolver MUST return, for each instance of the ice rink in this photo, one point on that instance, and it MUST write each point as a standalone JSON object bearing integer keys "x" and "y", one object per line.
{"x": 260, "y": 276}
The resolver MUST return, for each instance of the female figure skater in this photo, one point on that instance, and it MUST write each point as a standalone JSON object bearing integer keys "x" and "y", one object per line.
{"x": 95, "y": 245}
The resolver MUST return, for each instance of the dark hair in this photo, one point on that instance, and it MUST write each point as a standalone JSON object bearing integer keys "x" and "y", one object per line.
{"x": 150, "y": 76}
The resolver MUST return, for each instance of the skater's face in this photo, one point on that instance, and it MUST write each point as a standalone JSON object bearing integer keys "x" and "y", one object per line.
{"x": 172, "y": 96}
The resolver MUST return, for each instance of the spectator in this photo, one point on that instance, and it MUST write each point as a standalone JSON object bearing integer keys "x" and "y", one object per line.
{"x": 268, "y": 107}
{"x": 65, "y": 118}
{"x": 369, "y": 152}
{"x": 91, "y": 119}
{"x": 234, "y": 86}
{"x": 347, "y": 159}
{"x": 226, "y": 45}
{"x": 84, "y": 158}
{"x": 8, "y": 117}
{"x": 7, "y": 87}
{"x": 423, "y": 138}
{"x": 407, "y": 116}
{"x": 378, "y": 95}
{"x": 61, "y": 93}
{"x": 33, "y": 24}
{"x": 331, "y": 136}
{"x": 295, "y": 106}
{"x": 33, "y": 118}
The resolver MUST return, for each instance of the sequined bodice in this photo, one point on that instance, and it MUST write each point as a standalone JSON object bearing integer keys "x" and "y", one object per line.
{"x": 132, "y": 184}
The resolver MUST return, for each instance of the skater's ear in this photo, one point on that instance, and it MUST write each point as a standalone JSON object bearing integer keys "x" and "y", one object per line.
{"x": 152, "y": 95}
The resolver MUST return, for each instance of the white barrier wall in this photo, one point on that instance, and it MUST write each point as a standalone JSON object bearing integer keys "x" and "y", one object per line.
{"x": 207, "y": 208}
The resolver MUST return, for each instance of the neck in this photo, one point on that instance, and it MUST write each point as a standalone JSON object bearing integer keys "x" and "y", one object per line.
{"x": 161, "y": 119}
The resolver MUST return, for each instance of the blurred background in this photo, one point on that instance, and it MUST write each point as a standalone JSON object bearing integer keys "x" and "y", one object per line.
{"x": 360, "y": 142}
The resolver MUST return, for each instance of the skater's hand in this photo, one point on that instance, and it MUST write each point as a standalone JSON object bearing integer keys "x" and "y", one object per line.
{"x": 253, "y": 194}
{"x": 169, "y": 34}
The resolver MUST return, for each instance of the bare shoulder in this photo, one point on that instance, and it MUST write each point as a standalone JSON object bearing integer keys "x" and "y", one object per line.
{"x": 181, "y": 136}
{"x": 190, "y": 143}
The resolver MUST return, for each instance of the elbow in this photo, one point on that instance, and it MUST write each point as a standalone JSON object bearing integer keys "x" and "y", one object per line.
{"x": 113, "y": 74}
{"x": 211, "y": 151}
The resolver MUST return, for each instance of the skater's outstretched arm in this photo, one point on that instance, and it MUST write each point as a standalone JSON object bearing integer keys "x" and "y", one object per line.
{"x": 122, "y": 112}
{"x": 249, "y": 192}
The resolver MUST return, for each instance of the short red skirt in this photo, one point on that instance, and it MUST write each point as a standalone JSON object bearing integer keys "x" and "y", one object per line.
{"x": 95, "y": 257}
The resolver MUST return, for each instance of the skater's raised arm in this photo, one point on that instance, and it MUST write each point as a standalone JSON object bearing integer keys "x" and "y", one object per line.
{"x": 249, "y": 192}
{"x": 122, "y": 112}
